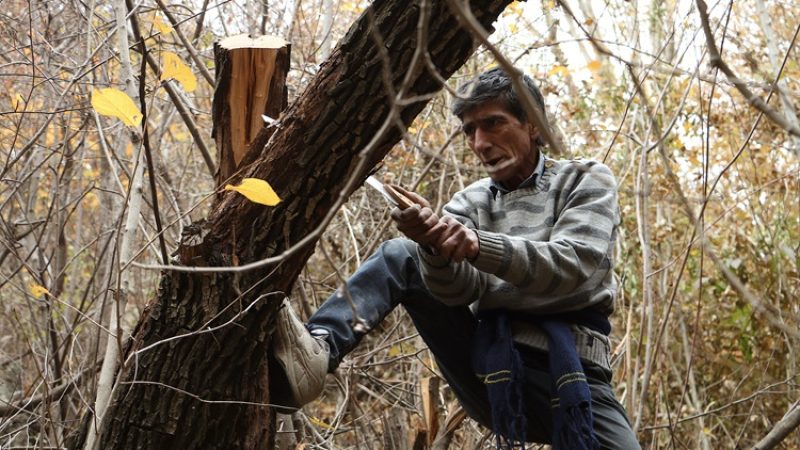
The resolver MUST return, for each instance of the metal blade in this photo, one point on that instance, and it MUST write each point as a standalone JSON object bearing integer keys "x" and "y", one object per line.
{"x": 372, "y": 181}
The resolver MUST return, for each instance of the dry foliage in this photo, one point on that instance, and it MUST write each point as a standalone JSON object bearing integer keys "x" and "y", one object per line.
{"x": 706, "y": 340}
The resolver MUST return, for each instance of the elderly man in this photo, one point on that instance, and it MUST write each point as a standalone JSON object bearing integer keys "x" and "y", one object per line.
{"x": 510, "y": 288}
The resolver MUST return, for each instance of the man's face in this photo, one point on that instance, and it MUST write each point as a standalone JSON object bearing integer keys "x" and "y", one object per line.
{"x": 504, "y": 145}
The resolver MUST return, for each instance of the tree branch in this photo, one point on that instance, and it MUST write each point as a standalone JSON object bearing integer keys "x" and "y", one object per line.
{"x": 188, "y": 45}
{"x": 781, "y": 429}
{"x": 755, "y": 101}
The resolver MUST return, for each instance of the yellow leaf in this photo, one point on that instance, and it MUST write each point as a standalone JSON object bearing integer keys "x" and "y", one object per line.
{"x": 115, "y": 103}
{"x": 514, "y": 8}
{"x": 558, "y": 70}
{"x": 159, "y": 25}
{"x": 588, "y": 22}
{"x": 37, "y": 290}
{"x": 175, "y": 68}
{"x": 594, "y": 66}
{"x": 257, "y": 191}
{"x": 319, "y": 423}
{"x": 17, "y": 101}
{"x": 512, "y": 27}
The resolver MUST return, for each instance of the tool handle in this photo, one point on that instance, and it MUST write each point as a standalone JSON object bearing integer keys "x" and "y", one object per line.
{"x": 403, "y": 202}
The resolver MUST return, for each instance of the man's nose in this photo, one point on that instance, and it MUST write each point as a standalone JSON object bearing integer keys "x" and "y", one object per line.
{"x": 481, "y": 142}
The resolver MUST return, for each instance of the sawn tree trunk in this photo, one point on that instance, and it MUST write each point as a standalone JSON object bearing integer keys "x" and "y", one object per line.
{"x": 207, "y": 390}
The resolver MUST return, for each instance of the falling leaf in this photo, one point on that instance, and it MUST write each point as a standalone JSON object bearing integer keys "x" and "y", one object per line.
{"x": 257, "y": 191}
{"x": 512, "y": 27}
{"x": 115, "y": 103}
{"x": 558, "y": 70}
{"x": 37, "y": 290}
{"x": 588, "y": 22}
{"x": 159, "y": 25}
{"x": 175, "y": 68}
{"x": 594, "y": 66}
{"x": 17, "y": 101}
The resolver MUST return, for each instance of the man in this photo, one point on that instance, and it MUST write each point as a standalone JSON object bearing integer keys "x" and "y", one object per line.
{"x": 510, "y": 288}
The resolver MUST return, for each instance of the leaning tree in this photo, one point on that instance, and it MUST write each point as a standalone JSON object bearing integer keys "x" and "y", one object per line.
{"x": 196, "y": 373}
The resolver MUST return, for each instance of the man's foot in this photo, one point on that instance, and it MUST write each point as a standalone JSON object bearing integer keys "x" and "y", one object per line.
{"x": 301, "y": 362}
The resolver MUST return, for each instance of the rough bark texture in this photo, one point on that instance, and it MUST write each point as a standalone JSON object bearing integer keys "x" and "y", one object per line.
{"x": 164, "y": 394}
{"x": 250, "y": 81}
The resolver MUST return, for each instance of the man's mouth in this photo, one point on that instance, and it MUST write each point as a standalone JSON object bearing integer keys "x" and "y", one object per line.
{"x": 493, "y": 162}
{"x": 497, "y": 164}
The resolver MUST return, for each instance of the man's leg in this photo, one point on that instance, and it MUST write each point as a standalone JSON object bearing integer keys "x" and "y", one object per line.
{"x": 390, "y": 277}
{"x": 611, "y": 424}
{"x": 367, "y": 297}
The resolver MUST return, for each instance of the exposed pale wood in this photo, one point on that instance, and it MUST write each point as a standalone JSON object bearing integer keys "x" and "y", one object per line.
{"x": 251, "y": 82}
{"x": 429, "y": 391}
{"x": 210, "y": 390}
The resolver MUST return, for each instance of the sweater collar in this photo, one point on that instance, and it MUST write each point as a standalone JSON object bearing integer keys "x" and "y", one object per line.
{"x": 496, "y": 187}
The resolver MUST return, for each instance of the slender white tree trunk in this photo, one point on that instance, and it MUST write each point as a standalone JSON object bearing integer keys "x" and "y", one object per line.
{"x": 127, "y": 236}
{"x": 327, "y": 26}
{"x": 775, "y": 63}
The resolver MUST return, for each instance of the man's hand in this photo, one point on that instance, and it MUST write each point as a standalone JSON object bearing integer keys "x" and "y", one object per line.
{"x": 457, "y": 242}
{"x": 419, "y": 223}
{"x": 446, "y": 235}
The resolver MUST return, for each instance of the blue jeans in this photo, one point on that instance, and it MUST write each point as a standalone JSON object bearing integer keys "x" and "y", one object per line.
{"x": 390, "y": 277}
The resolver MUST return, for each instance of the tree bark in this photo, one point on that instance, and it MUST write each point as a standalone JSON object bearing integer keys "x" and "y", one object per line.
{"x": 208, "y": 390}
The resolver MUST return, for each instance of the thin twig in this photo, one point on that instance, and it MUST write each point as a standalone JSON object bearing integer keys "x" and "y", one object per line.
{"x": 755, "y": 101}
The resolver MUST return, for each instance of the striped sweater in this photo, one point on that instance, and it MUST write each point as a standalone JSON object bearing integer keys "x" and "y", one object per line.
{"x": 544, "y": 249}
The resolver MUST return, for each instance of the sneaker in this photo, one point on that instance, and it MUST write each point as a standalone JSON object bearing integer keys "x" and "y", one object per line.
{"x": 301, "y": 362}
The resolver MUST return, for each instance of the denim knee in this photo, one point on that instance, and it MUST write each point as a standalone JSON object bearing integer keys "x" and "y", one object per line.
{"x": 398, "y": 248}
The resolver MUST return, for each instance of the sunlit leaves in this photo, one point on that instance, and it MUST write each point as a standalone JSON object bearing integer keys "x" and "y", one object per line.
{"x": 594, "y": 66}
{"x": 257, "y": 191}
{"x": 37, "y": 290}
{"x": 17, "y": 102}
{"x": 115, "y": 103}
{"x": 174, "y": 68}
{"x": 160, "y": 26}
{"x": 558, "y": 70}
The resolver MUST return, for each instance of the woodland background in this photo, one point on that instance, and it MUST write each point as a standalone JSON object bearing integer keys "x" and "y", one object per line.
{"x": 706, "y": 334}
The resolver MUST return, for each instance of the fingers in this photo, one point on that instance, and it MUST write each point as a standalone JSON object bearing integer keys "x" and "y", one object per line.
{"x": 421, "y": 225}
{"x": 457, "y": 242}
{"x": 413, "y": 196}
{"x": 447, "y": 235}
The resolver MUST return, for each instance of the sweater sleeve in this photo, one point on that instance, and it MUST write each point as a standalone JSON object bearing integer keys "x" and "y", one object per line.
{"x": 569, "y": 269}
{"x": 453, "y": 283}
{"x": 562, "y": 273}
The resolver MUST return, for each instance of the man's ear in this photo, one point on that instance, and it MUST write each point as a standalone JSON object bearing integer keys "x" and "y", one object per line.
{"x": 533, "y": 132}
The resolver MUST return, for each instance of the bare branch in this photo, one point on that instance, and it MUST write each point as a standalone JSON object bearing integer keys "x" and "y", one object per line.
{"x": 781, "y": 430}
{"x": 752, "y": 99}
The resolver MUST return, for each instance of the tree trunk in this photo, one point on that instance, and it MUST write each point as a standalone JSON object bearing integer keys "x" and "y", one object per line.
{"x": 208, "y": 390}
{"x": 251, "y": 82}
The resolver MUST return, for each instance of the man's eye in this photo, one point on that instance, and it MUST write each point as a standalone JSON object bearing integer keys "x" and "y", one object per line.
{"x": 469, "y": 130}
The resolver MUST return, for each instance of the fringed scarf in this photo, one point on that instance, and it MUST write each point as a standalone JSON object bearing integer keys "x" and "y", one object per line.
{"x": 573, "y": 425}
{"x": 498, "y": 364}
